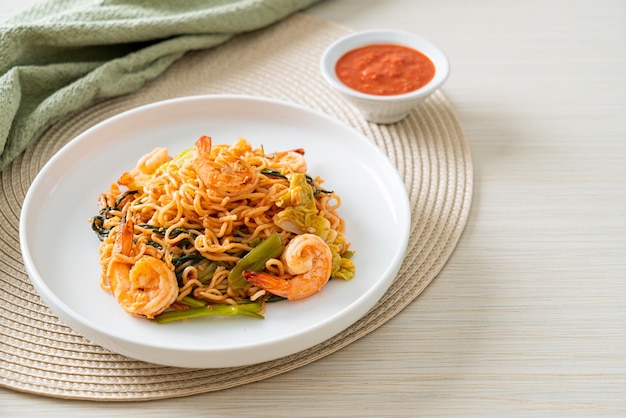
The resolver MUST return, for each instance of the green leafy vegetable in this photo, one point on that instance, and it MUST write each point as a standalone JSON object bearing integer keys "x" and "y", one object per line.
{"x": 154, "y": 244}
{"x": 178, "y": 261}
{"x": 97, "y": 224}
{"x": 204, "y": 266}
{"x": 193, "y": 302}
{"x": 255, "y": 260}
{"x": 300, "y": 214}
{"x": 343, "y": 267}
{"x": 270, "y": 172}
{"x": 160, "y": 230}
{"x": 309, "y": 180}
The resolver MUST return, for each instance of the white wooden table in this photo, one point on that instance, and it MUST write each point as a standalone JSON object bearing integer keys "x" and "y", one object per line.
{"x": 528, "y": 317}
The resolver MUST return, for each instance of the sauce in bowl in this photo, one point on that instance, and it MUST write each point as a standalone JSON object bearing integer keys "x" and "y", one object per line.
{"x": 385, "y": 69}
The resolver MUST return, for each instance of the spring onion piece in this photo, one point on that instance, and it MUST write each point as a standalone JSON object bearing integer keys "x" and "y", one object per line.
{"x": 249, "y": 309}
{"x": 255, "y": 260}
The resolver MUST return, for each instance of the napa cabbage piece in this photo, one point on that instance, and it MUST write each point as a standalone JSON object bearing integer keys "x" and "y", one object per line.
{"x": 300, "y": 215}
{"x": 179, "y": 159}
{"x": 343, "y": 266}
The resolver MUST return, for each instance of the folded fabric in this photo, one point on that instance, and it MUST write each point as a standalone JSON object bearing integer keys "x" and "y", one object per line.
{"x": 62, "y": 55}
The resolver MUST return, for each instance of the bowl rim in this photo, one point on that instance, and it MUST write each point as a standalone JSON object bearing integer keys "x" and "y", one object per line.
{"x": 379, "y": 36}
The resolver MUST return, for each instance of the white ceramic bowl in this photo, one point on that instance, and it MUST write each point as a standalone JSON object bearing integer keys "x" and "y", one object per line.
{"x": 384, "y": 109}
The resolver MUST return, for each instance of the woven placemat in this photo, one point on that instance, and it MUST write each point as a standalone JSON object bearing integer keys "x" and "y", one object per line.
{"x": 41, "y": 355}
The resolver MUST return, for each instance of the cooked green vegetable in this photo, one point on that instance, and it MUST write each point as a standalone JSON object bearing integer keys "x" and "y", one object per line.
{"x": 345, "y": 270}
{"x": 309, "y": 180}
{"x": 300, "y": 214}
{"x": 178, "y": 261}
{"x": 154, "y": 244}
{"x": 343, "y": 267}
{"x": 275, "y": 173}
{"x": 248, "y": 309}
{"x": 206, "y": 268}
{"x": 193, "y": 302}
{"x": 97, "y": 222}
{"x": 160, "y": 230}
{"x": 255, "y": 260}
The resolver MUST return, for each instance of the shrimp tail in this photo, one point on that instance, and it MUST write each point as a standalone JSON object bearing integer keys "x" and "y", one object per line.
{"x": 309, "y": 259}
{"x": 273, "y": 284}
{"x": 124, "y": 240}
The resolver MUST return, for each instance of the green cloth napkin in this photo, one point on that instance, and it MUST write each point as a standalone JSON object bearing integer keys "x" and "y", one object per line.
{"x": 61, "y": 55}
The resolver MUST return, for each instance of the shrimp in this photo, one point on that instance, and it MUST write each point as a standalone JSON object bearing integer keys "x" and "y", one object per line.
{"x": 145, "y": 288}
{"x": 309, "y": 259}
{"x": 146, "y": 167}
{"x": 293, "y": 161}
{"x": 224, "y": 172}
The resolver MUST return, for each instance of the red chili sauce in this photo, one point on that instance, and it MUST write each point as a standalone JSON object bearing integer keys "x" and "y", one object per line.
{"x": 385, "y": 69}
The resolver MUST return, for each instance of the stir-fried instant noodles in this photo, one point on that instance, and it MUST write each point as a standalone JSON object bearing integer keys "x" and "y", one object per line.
{"x": 218, "y": 230}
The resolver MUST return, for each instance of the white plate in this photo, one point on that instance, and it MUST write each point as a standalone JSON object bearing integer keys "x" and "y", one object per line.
{"x": 60, "y": 250}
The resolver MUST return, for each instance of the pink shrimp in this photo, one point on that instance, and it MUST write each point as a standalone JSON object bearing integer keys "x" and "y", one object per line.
{"x": 145, "y": 169}
{"x": 225, "y": 172}
{"x": 145, "y": 288}
{"x": 292, "y": 161}
{"x": 309, "y": 259}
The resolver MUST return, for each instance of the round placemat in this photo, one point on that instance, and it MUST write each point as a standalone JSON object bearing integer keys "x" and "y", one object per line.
{"x": 41, "y": 355}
